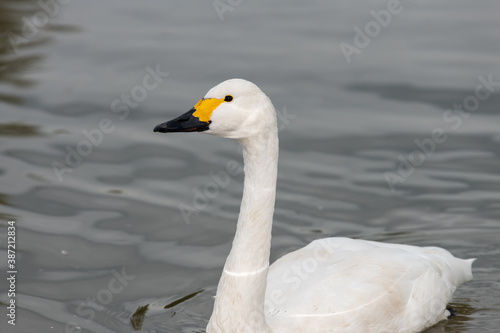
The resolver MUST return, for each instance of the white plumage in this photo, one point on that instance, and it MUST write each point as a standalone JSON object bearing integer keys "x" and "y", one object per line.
{"x": 346, "y": 285}
{"x": 332, "y": 284}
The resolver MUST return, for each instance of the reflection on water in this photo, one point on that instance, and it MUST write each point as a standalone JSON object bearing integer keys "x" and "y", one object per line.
{"x": 13, "y": 64}
{"x": 487, "y": 103}
{"x": 4, "y": 202}
{"x": 22, "y": 32}
{"x": 138, "y": 317}
{"x": 119, "y": 210}
{"x": 18, "y": 129}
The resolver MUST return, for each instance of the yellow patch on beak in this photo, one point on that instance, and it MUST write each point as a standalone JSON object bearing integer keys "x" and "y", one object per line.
{"x": 205, "y": 107}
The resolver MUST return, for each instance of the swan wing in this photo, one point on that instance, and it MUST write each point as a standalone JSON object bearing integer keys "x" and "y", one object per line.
{"x": 346, "y": 285}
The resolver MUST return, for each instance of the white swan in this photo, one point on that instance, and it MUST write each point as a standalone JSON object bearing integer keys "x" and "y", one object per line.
{"x": 332, "y": 284}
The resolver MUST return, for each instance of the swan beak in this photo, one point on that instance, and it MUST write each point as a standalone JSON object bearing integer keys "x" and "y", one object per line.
{"x": 185, "y": 123}
{"x": 195, "y": 120}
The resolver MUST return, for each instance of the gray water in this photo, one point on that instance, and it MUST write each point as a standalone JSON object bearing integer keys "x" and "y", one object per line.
{"x": 372, "y": 147}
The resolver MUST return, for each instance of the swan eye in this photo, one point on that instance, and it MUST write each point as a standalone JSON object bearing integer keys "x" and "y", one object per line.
{"x": 228, "y": 98}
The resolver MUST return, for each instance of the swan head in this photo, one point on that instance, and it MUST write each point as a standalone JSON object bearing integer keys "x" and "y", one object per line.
{"x": 235, "y": 108}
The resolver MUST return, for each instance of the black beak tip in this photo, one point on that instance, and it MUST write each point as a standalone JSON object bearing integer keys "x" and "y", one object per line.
{"x": 184, "y": 123}
{"x": 162, "y": 128}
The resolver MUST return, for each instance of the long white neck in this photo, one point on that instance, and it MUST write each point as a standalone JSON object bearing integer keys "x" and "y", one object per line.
{"x": 239, "y": 304}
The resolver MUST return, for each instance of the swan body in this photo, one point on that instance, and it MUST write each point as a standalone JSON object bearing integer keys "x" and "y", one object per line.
{"x": 362, "y": 286}
{"x": 331, "y": 285}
